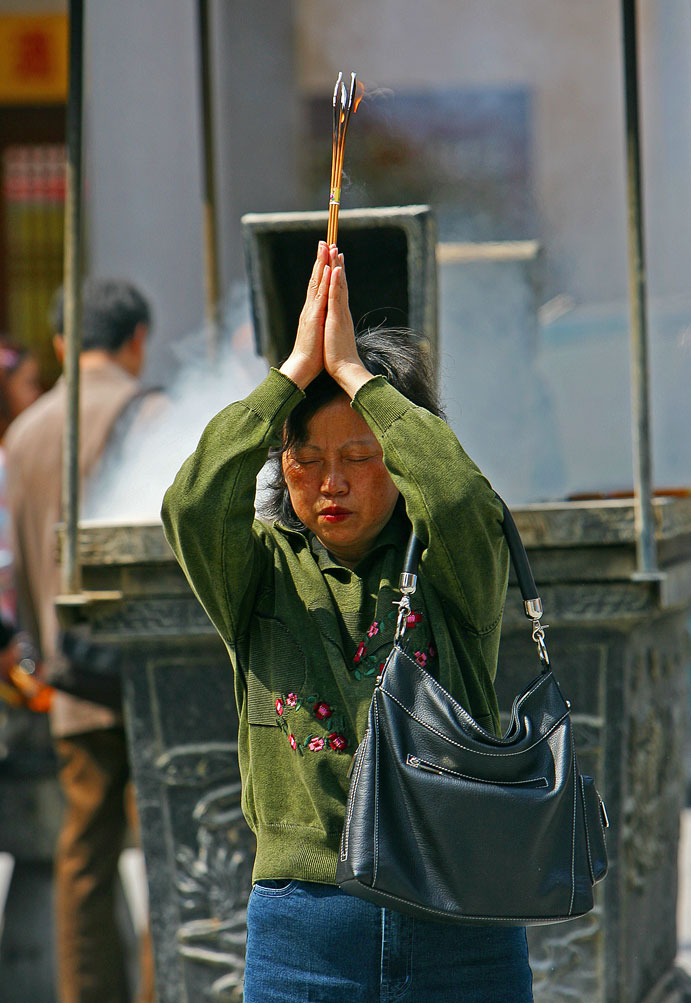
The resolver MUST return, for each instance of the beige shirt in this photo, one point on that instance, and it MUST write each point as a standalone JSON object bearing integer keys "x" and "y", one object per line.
{"x": 34, "y": 468}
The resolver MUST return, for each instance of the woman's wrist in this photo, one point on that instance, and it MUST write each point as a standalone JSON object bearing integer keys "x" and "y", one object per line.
{"x": 350, "y": 376}
{"x": 300, "y": 370}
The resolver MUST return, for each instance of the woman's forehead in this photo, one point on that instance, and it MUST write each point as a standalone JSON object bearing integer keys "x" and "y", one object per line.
{"x": 337, "y": 423}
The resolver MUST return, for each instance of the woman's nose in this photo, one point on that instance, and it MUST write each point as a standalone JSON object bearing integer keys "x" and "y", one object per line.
{"x": 334, "y": 482}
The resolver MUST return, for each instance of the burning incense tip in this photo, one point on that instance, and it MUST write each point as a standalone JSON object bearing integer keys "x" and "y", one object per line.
{"x": 345, "y": 103}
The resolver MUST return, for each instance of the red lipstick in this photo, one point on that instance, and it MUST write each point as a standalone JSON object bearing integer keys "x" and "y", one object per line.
{"x": 334, "y": 513}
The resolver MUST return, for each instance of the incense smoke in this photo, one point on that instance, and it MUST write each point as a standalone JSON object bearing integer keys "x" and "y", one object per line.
{"x": 139, "y": 465}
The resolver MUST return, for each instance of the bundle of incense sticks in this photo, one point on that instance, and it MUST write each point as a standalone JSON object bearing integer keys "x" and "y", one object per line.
{"x": 344, "y": 104}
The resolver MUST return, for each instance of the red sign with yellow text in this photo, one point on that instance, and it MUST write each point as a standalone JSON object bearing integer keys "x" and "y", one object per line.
{"x": 33, "y": 59}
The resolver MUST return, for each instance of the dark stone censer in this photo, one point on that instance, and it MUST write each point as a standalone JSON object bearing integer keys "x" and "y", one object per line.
{"x": 619, "y": 647}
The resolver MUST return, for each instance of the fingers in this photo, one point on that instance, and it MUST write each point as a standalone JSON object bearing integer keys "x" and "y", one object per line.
{"x": 321, "y": 261}
{"x": 307, "y": 357}
{"x": 338, "y": 293}
{"x": 338, "y": 330}
{"x": 335, "y": 259}
{"x": 318, "y": 285}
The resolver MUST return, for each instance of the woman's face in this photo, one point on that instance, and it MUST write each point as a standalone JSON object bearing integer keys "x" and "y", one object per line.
{"x": 338, "y": 484}
{"x": 22, "y": 386}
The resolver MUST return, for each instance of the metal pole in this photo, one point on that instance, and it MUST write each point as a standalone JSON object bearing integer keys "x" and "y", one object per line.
{"x": 71, "y": 577}
{"x": 640, "y": 395}
{"x": 209, "y": 208}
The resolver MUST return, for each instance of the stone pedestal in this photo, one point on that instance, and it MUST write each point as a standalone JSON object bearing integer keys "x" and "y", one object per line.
{"x": 182, "y": 729}
{"x": 619, "y": 647}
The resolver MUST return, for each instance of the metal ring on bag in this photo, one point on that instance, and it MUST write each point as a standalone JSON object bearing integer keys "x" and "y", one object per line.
{"x": 404, "y": 611}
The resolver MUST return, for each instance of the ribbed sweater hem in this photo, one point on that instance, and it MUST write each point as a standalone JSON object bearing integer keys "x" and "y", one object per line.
{"x": 297, "y": 853}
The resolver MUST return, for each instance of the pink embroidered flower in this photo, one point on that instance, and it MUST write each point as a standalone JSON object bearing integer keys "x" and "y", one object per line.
{"x": 360, "y": 653}
{"x": 421, "y": 658}
{"x": 374, "y": 629}
{"x": 322, "y": 710}
{"x": 292, "y": 699}
{"x": 413, "y": 619}
{"x": 316, "y": 744}
{"x": 432, "y": 651}
{"x": 293, "y": 742}
{"x": 279, "y": 706}
{"x": 337, "y": 742}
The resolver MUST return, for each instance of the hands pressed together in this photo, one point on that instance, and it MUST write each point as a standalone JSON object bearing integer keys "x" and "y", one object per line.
{"x": 326, "y": 337}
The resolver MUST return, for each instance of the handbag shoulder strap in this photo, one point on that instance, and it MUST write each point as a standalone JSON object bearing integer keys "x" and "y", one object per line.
{"x": 532, "y": 604}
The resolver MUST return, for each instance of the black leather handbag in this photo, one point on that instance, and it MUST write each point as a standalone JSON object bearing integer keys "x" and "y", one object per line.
{"x": 448, "y": 822}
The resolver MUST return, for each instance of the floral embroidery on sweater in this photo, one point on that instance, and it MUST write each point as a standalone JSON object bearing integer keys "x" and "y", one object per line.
{"x": 334, "y": 739}
{"x": 367, "y": 665}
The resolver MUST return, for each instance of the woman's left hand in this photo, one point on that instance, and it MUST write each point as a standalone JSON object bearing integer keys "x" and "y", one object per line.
{"x": 341, "y": 359}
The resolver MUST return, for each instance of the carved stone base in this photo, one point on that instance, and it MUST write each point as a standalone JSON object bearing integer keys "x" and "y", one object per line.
{"x": 619, "y": 648}
{"x": 675, "y": 987}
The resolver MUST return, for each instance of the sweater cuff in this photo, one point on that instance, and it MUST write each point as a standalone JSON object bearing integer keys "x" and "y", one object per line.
{"x": 274, "y": 398}
{"x": 379, "y": 403}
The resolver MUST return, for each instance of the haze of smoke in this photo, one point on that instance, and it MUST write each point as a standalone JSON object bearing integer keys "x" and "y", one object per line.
{"x": 138, "y": 467}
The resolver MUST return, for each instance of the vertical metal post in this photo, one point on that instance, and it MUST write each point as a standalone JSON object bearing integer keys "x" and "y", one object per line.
{"x": 71, "y": 577}
{"x": 209, "y": 209}
{"x": 640, "y": 393}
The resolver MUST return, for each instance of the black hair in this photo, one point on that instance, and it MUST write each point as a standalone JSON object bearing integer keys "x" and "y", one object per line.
{"x": 398, "y": 354}
{"x": 111, "y": 311}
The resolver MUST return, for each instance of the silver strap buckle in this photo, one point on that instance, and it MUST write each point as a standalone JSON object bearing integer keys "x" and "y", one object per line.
{"x": 404, "y": 611}
{"x": 533, "y": 610}
{"x": 539, "y": 638}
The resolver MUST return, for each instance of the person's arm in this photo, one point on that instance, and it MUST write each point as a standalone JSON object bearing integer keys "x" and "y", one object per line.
{"x": 451, "y": 505}
{"x": 208, "y": 512}
{"x": 27, "y": 613}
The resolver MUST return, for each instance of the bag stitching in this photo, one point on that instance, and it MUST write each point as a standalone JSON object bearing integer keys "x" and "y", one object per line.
{"x": 470, "y": 916}
{"x": 376, "y": 789}
{"x": 447, "y": 771}
{"x": 599, "y": 815}
{"x": 539, "y": 682}
{"x": 573, "y": 838}
{"x": 477, "y": 752}
{"x": 351, "y": 800}
{"x": 587, "y": 837}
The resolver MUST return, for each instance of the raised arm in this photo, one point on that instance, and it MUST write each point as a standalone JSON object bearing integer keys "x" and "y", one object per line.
{"x": 452, "y": 506}
{"x": 208, "y": 512}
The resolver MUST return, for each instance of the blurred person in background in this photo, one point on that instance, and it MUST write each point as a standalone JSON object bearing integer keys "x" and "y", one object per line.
{"x": 20, "y": 386}
{"x": 89, "y": 737}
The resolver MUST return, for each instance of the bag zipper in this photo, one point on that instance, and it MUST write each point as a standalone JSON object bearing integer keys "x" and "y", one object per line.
{"x": 443, "y": 771}
{"x": 603, "y": 813}
{"x": 355, "y": 766}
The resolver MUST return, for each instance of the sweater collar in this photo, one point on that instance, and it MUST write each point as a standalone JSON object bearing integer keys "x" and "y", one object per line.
{"x": 394, "y": 534}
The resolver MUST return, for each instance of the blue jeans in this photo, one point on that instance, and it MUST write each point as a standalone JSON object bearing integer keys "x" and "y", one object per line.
{"x": 310, "y": 943}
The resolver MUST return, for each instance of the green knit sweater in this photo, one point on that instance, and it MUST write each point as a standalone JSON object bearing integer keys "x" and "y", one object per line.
{"x": 306, "y": 636}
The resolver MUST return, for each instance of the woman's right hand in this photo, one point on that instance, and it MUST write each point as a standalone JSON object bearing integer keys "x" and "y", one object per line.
{"x": 306, "y": 360}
